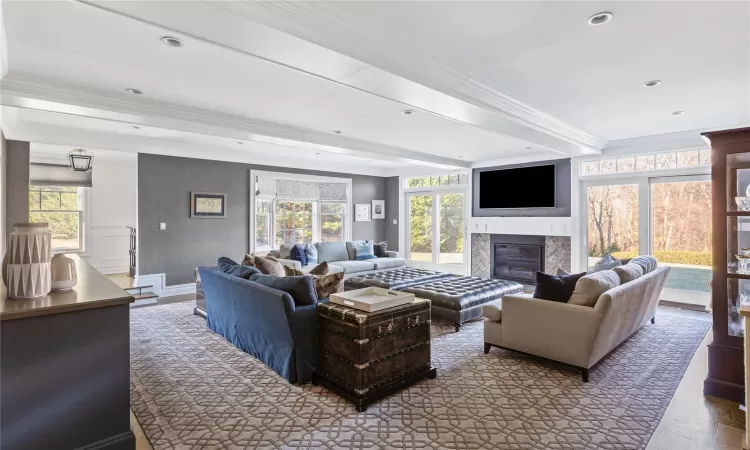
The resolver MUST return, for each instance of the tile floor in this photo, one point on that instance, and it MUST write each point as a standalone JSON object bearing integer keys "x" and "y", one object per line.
{"x": 691, "y": 422}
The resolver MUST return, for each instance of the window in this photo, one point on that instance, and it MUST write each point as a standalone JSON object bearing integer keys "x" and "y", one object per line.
{"x": 645, "y": 163}
{"x": 62, "y": 208}
{"x": 263, "y": 225}
{"x": 294, "y": 222}
{"x": 332, "y": 220}
{"x": 439, "y": 180}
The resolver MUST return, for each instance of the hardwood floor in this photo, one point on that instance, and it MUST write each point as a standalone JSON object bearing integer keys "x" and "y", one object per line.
{"x": 691, "y": 422}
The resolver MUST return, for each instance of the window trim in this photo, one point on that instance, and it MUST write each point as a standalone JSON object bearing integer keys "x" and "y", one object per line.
{"x": 84, "y": 220}
{"x": 348, "y": 217}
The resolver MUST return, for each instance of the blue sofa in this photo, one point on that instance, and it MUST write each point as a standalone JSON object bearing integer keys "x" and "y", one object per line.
{"x": 262, "y": 322}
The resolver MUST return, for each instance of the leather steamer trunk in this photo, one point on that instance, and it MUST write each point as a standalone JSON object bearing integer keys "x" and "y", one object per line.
{"x": 365, "y": 356}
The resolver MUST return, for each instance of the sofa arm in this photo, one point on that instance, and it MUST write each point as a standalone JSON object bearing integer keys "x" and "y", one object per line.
{"x": 391, "y": 254}
{"x": 554, "y": 330}
{"x": 293, "y": 263}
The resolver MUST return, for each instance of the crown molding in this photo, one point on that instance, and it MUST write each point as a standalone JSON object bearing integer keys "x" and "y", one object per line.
{"x": 26, "y": 92}
{"x": 323, "y": 23}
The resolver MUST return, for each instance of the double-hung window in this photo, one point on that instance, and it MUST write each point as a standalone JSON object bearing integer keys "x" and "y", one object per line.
{"x": 62, "y": 208}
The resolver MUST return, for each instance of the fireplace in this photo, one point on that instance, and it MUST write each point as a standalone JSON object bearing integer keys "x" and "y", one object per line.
{"x": 555, "y": 254}
{"x": 517, "y": 262}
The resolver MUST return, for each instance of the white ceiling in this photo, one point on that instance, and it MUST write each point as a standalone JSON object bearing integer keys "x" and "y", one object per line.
{"x": 488, "y": 81}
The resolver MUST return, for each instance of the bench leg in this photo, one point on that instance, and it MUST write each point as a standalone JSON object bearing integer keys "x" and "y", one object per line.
{"x": 458, "y": 327}
{"x": 487, "y": 347}
{"x": 585, "y": 375}
{"x": 653, "y": 320}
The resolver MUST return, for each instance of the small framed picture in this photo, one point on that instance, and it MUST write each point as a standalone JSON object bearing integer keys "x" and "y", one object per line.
{"x": 205, "y": 205}
{"x": 378, "y": 209}
{"x": 361, "y": 213}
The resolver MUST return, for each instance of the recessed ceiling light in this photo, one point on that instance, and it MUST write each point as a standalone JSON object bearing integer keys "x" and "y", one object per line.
{"x": 407, "y": 112}
{"x": 600, "y": 18}
{"x": 317, "y": 153}
{"x": 678, "y": 113}
{"x": 171, "y": 41}
{"x": 337, "y": 131}
{"x": 240, "y": 142}
{"x": 136, "y": 127}
{"x": 134, "y": 91}
{"x": 460, "y": 157}
{"x": 529, "y": 148}
{"x": 652, "y": 83}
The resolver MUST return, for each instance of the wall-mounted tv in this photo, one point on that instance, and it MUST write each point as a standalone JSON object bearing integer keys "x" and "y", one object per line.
{"x": 522, "y": 187}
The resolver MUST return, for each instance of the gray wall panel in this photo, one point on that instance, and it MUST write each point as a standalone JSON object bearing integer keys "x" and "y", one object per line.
{"x": 16, "y": 168}
{"x": 164, "y": 186}
{"x": 391, "y": 213}
{"x": 562, "y": 192}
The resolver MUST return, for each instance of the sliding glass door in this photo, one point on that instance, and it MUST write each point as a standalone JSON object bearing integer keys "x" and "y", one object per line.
{"x": 668, "y": 217}
{"x": 437, "y": 227}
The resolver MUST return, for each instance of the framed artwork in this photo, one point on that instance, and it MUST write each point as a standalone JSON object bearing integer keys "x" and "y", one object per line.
{"x": 205, "y": 205}
{"x": 378, "y": 209}
{"x": 361, "y": 213}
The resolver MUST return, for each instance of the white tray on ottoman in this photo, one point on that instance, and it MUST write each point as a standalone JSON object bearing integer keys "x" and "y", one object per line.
{"x": 372, "y": 298}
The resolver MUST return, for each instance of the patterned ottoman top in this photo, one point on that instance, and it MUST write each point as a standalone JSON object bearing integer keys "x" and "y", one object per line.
{"x": 395, "y": 279}
{"x": 459, "y": 293}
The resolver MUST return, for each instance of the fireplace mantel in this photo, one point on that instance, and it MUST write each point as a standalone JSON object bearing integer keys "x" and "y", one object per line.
{"x": 534, "y": 226}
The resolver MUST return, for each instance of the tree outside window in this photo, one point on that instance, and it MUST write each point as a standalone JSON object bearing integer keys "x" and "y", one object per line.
{"x": 61, "y": 208}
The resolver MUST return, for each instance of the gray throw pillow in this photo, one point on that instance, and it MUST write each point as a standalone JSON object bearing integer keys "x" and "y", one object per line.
{"x": 606, "y": 263}
{"x": 628, "y": 272}
{"x": 268, "y": 265}
{"x": 647, "y": 262}
{"x": 285, "y": 251}
{"x": 590, "y": 287}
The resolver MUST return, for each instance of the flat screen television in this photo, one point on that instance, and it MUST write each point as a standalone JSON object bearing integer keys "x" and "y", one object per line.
{"x": 522, "y": 187}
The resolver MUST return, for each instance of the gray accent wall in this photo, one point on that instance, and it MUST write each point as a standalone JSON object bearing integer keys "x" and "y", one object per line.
{"x": 391, "y": 212}
{"x": 562, "y": 193}
{"x": 164, "y": 186}
{"x": 16, "y": 166}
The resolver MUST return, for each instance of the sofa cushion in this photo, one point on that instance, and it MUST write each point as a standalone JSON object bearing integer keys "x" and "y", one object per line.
{"x": 311, "y": 254}
{"x": 591, "y": 286}
{"x": 332, "y": 251}
{"x": 301, "y": 288}
{"x": 556, "y": 288}
{"x": 647, "y": 262}
{"x": 285, "y": 251}
{"x": 298, "y": 254}
{"x": 227, "y": 265}
{"x": 605, "y": 263}
{"x": 493, "y": 310}
{"x": 268, "y": 265}
{"x": 381, "y": 249}
{"x": 628, "y": 272}
{"x": 356, "y": 266}
{"x": 325, "y": 284}
{"x": 364, "y": 251}
{"x": 388, "y": 263}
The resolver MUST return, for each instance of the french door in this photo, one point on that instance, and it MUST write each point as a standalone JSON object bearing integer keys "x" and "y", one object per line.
{"x": 436, "y": 228}
{"x": 668, "y": 217}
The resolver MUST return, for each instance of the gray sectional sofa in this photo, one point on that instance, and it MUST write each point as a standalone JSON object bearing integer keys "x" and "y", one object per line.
{"x": 341, "y": 257}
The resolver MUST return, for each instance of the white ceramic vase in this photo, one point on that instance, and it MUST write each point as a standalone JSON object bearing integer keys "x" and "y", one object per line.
{"x": 64, "y": 275}
{"x": 28, "y": 273}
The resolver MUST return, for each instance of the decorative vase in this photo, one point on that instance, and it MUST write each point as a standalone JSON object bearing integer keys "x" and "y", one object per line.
{"x": 29, "y": 257}
{"x": 64, "y": 275}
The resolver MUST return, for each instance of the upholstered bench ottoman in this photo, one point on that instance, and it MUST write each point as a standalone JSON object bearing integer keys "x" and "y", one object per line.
{"x": 460, "y": 299}
{"x": 397, "y": 279}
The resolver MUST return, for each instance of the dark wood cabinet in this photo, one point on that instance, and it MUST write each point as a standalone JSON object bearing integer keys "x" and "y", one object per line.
{"x": 730, "y": 288}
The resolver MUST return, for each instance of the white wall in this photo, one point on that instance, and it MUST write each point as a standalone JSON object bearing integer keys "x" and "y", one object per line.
{"x": 113, "y": 204}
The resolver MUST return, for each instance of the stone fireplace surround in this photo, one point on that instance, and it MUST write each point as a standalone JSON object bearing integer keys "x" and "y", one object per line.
{"x": 556, "y": 253}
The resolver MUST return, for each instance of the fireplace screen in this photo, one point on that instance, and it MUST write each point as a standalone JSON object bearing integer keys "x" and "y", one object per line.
{"x": 517, "y": 262}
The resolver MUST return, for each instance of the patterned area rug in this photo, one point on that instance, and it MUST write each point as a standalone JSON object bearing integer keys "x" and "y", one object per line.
{"x": 191, "y": 389}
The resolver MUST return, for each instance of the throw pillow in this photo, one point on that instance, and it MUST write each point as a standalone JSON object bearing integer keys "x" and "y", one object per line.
{"x": 269, "y": 265}
{"x": 647, "y": 262}
{"x": 381, "y": 249}
{"x": 351, "y": 249}
{"x": 298, "y": 254}
{"x": 590, "y": 287}
{"x": 285, "y": 251}
{"x": 628, "y": 272}
{"x": 365, "y": 251}
{"x": 561, "y": 272}
{"x": 607, "y": 262}
{"x": 624, "y": 261}
{"x": 320, "y": 269}
{"x": 249, "y": 260}
{"x": 555, "y": 288}
{"x": 311, "y": 253}
{"x": 230, "y": 267}
{"x": 325, "y": 284}
{"x": 301, "y": 288}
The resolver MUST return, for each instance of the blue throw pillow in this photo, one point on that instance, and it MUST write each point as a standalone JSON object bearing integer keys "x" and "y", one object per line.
{"x": 311, "y": 254}
{"x": 364, "y": 251}
{"x": 300, "y": 288}
{"x": 297, "y": 253}
{"x": 606, "y": 263}
{"x": 229, "y": 266}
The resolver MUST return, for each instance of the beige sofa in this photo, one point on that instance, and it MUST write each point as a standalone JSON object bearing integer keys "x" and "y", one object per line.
{"x": 576, "y": 335}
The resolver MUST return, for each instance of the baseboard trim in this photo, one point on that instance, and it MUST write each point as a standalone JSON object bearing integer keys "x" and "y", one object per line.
{"x": 160, "y": 288}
